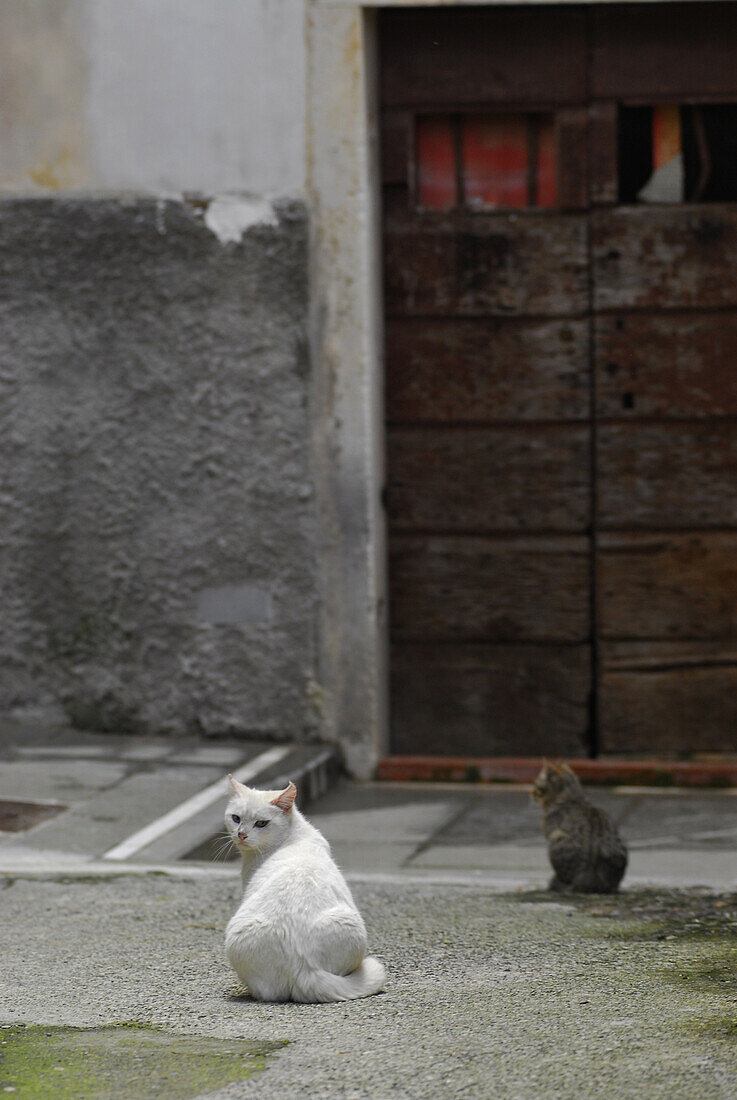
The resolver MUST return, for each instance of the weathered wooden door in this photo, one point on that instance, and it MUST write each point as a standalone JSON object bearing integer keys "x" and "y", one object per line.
{"x": 561, "y": 487}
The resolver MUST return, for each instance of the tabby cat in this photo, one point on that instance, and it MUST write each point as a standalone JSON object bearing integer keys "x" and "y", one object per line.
{"x": 584, "y": 847}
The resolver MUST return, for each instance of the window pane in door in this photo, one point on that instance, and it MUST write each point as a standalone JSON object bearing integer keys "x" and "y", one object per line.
{"x": 495, "y": 160}
{"x": 436, "y": 167}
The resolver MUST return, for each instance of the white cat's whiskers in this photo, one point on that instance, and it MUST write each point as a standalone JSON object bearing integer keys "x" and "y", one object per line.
{"x": 222, "y": 844}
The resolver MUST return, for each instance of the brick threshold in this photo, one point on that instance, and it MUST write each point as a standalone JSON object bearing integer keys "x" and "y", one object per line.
{"x": 523, "y": 769}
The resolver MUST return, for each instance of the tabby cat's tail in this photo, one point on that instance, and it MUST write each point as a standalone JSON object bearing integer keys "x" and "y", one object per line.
{"x": 321, "y": 986}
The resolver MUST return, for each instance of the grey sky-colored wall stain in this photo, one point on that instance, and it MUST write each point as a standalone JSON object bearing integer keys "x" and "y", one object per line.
{"x": 154, "y": 447}
{"x": 234, "y": 603}
{"x": 120, "y": 1061}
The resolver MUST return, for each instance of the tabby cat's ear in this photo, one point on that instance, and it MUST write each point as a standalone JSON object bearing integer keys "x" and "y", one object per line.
{"x": 237, "y": 787}
{"x": 285, "y": 799}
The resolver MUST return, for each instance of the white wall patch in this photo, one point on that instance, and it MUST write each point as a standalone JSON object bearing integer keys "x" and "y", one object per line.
{"x": 229, "y": 216}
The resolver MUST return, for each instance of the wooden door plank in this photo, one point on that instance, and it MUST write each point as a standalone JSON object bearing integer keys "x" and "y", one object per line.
{"x": 668, "y": 698}
{"x": 660, "y": 587}
{"x": 482, "y": 56}
{"x": 396, "y": 153}
{"x": 667, "y": 475}
{"x": 572, "y": 146}
{"x": 603, "y": 153}
{"x": 490, "y": 700}
{"x": 479, "y": 264}
{"x": 486, "y": 370}
{"x": 489, "y": 479}
{"x": 653, "y": 52}
{"x": 482, "y": 589}
{"x": 672, "y": 257}
{"x": 666, "y": 365}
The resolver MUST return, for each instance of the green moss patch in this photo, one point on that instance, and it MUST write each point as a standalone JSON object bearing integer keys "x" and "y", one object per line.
{"x": 713, "y": 970}
{"x": 717, "y": 1027}
{"x": 120, "y": 1061}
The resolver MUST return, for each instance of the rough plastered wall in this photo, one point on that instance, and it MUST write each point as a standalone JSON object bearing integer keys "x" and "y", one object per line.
{"x": 157, "y": 512}
{"x": 157, "y": 545}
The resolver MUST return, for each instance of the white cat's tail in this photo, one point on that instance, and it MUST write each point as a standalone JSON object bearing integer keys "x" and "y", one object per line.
{"x": 321, "y": 986}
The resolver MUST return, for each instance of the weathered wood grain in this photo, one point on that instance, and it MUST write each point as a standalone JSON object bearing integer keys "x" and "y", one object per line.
{"x": 655, "y": 257}
{"x": 603, "y": 153}
{"x": 666, "y": 365}
{"x": 668, "y": 698}
{"x": 479, "y": 369}
{"x": 482, "y": 589}
{"x": 667, "y": 475}
{"x": 482, "y": 56}
{"x": 572, "y": 150}
{"x": 650, "y": 52}
{"x": 494, "y": 264}
{"x": 396, "y": 130}
{"x": 659, "y": 586}
{"x": 488, "y": 383}
{"x": 490, "y": 700}
{"x": 489, "y": 479}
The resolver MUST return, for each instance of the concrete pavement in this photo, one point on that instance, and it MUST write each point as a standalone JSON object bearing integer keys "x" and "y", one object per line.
{"x": 127, "y": 801}
{"x": 123, "y": 798}
{"x": 495, "y": 988}
{"x": 492, "y": 835}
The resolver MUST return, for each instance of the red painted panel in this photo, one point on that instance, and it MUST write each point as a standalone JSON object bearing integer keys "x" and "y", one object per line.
{"x": 494, "y": 160}
{"x": 436, "y": 169}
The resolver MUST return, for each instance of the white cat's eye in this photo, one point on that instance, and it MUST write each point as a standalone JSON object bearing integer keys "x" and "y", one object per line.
{"x": 260, "y": 824}
{"x": 235, "y": 818}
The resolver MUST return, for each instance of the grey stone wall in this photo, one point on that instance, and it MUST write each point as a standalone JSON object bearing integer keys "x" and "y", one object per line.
{"x": 157, "y": 535}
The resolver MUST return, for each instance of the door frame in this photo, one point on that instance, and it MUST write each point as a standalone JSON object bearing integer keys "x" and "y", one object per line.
{"x": 346, "y": 342}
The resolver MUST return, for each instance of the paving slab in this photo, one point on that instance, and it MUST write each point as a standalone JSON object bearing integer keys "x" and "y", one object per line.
{"x": 395, "y": 817}
{"x": 99, "y": 822}
{"x": 113, "y": 786}
{"x": 527, "y": 860}
{"x": 679, "y": 838}
{"x": 62, "y": 779}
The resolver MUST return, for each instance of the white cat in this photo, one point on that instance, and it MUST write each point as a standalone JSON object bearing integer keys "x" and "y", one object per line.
{"x": 297, "y": 935}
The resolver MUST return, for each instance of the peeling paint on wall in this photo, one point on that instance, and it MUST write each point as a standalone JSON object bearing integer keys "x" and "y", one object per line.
{"x": 230, "y": 216}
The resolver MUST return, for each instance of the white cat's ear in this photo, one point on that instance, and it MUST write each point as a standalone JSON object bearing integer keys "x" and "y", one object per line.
{"x": 285, "y": 799}
{"x": 237, "y": 787}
